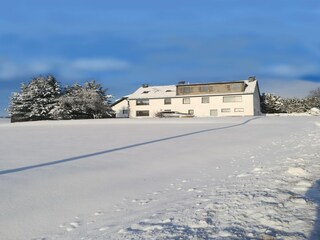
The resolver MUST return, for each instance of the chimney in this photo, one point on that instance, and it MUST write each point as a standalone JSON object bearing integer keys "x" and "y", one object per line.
{"x": 181, "y": 82}
{"x": 252, "y": 78}
{"x": 145, "y": 85}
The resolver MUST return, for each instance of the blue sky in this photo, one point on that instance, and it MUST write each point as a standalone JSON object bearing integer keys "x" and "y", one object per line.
{"x": 125, "y": 43}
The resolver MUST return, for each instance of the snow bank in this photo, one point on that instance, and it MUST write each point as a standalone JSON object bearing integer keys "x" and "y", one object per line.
{"x": 311, "y": 112}
{"x": 314, "y": 111}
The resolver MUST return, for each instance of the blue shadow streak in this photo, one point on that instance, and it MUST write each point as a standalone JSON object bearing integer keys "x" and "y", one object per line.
{"x": 313, "y": 195}
{"x": 14, "y": 170}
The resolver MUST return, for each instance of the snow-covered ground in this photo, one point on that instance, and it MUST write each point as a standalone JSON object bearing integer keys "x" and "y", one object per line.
{"x": 213, "y": 178}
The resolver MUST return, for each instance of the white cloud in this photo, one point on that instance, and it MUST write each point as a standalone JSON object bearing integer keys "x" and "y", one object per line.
{"x": 99, "y": 64}
{"x": 8, "y": 70}
{"x": 39, "y": 66}
{"x": 291, "y": 70}
{"x": 288, "y": 88}
{"x": 75, "y": 68}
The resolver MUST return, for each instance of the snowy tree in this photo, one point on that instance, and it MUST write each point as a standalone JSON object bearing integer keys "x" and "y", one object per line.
{"x": 271, "y": 103}
{"x": 274, "y": 104}
{"x": 84, "y": 102}
{"x": 36, "y": 100}
{"x": 313, "y": 100}
{"x": 315, "y": 93}
{"x": 294, "y": 105}
{"x": 98, "y": 101}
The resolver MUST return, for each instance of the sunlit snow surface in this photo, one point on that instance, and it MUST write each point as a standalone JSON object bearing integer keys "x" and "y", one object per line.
{"x": 205, "y": 178}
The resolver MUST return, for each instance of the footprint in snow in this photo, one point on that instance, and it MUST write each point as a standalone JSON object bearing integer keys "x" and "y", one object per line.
{"x": 298, "y": 200}
{"x": 257, "y": 170}
{"x": 142, "y": 201}
{"x": 297, "y": 171}
{"x": 98, "y": 213}
{"x": 302, "y": 186}
{"x": 103, "y": 229}
{"x": 243, "y": 175}
{"x": 70, "y": 226}
{"x": 156, "y": 193}
{"x": 191, "y": 189}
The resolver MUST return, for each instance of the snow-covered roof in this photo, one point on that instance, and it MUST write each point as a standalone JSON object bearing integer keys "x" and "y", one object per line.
{"x": 170, "y": 90}
{"x": 154, "y": 92}
{"x": 250, "y": 86}
{"x": 119, "y": 100}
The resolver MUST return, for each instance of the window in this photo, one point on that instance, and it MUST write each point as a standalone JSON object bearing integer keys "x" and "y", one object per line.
{"x": 145, "y": 92}
{"x": 142, "y": 113}
{"x": 205, "y": 100}
{"x": 204, "y": 89}
{"x": 186, "y": 90}
{"x": 169, "y": 90}
{"x": 190, "y": 111}
{"x": 232, "y": 99}
{"x": 167, "y": 101}
{"x": 125, "y": 111}
{"x": 225, "y": 110}
{"x": 142, "y": 102}
{"x": 186, "y": 100}
{"x": 213, "y": 112}
{"x": 236, "y": 87}
{"x": 239, "y": 110}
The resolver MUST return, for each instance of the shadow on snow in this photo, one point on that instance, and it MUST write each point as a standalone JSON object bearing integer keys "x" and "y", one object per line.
{"x": 313, "y": 195}
{"x": 14, "y": 170}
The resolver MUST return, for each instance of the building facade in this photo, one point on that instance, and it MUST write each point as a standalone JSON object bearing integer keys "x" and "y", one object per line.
{"x": 121, "y": 107}
{"x": 238, "y": 98}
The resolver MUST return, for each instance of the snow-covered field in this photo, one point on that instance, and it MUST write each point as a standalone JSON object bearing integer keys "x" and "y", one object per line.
{"x": 213, "y": 178}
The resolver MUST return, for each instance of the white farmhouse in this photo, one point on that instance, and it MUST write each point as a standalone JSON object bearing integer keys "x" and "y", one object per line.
{"x": 238, "y": 98}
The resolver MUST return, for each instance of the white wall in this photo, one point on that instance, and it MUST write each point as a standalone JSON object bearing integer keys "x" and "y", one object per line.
{"x": 200, "y": 109}
{"x": 120, "y": 107}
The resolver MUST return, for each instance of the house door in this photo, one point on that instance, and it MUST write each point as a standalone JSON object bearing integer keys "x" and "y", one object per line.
{"x": 213, "y": 112}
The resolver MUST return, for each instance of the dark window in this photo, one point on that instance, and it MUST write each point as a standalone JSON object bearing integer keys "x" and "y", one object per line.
{"x": 186, "y": 100}
{"x": 205, "y": 100}
{"x": 167, "y": 101}
{"x": 204, "y": 89}
{"x": 142, "y": 102}
{"x": 186, "y": 90}
{"x": 239, "y": 110}
{"x": 191, "y": 111}
{"x": 232, "y": 99}
{"x": 237, "y": 87}
{"x": 214, "y": 112}
{"x": 225, "y": 110}
{"x": 142, "y": 113}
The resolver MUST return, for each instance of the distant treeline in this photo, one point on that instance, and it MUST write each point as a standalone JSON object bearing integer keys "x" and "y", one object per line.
{"x": 271, "y": 103}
